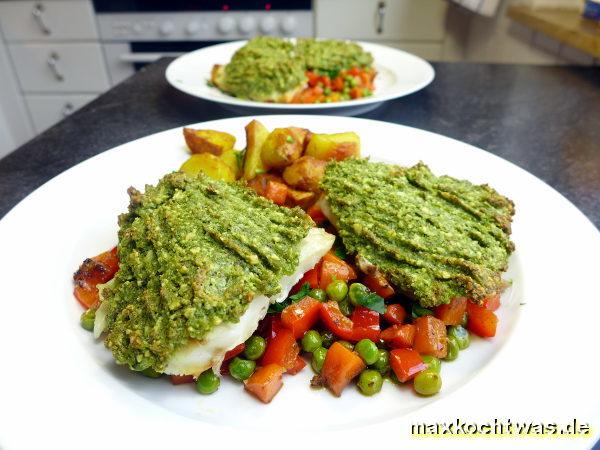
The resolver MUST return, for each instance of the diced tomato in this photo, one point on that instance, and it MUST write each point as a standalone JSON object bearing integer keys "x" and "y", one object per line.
{"x": 265, "y": 382}
{"x": 299, "y": 317}
{"x": 337, "y": 84}
{"x": 365, "y": 324}
{"x": 93, "y": 271}
{"x": 316, "y": 214}
{"x": 394, "y": 314}
{"x": 378, "y": 284}
{"x": 492, "y": 303}
{"x": 356, "y": 92}
{"x": 335, "y": 321}
{"x": 300, "y": 364}
{"x": 452, "y": 313}
{"x": 430, "y": 336}
{"x": 282, "y": 349}
{"x": 481, "y": 320}
{"x": 336, "y": 268}
{"x": 399, "y": 336}
{"x": 406, "y": 363}
{"x": 276, "y": 192}
{"x": 341, "y": 365}
{"x": 181, "y": 379}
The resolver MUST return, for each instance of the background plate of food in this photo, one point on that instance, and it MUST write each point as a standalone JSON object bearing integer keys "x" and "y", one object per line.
{"x": 303, "y": 75}
{"x": 538, "y": 368}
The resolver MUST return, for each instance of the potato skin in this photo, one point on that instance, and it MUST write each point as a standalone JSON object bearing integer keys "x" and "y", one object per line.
{"x": 209, "y": 164}
{"x": 337, "y": 146}
{"x": 305, "y": 174}
{"x": 208, "y": 141}
{"x": 283, "y": 146}
{"x": 256, "y": 135}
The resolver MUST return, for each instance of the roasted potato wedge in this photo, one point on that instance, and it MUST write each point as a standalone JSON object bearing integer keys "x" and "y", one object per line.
{"x": 336, "y": 146}
{"x": 302, "y": 199}
{"x": 256, "y": 135}
{"x": 283, "y": 146}
{"x": 209, "y": 164}
{"x": 233, "y": 159}
{"x": 208, "y": 141}
{"x": 305, "y": 174}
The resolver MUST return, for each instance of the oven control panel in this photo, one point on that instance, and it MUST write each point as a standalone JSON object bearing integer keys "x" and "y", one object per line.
{"x": 203, "y": 26}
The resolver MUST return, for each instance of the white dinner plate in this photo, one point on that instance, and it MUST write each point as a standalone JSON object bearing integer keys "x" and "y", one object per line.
{"x": 60, "y": 389}
{"x": 398, "y": 74}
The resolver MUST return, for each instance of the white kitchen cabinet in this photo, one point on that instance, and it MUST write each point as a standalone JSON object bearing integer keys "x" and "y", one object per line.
{"x": 54, "y": 67}
{"x": 46, "y": 110}
{"x": 47, "y": 20}
{"x": 383, "y": 20}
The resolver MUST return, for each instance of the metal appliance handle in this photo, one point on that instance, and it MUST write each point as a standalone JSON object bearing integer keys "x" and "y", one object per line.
{"x": 52, "y": 62}
{"x": 380, "y": 16}
{"x": 38, "y": 14}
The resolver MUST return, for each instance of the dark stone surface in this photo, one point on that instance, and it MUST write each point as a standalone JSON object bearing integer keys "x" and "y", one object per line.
{"x": 544, "y": 119}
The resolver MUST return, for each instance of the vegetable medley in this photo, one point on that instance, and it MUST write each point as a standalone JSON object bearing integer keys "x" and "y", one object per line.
{"x": 350, "y": 325}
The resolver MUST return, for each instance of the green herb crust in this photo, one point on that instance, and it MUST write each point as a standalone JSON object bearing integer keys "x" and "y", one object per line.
{"x": 434, "y": 238}
{"x": 331, "y": 56}
{"x": 193, "y": 252}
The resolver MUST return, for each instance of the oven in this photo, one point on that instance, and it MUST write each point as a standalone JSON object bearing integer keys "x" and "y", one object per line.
{"x": 137, "y": 32}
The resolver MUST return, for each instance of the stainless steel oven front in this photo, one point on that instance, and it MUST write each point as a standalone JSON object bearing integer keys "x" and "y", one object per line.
{"x": 137, "y": 32}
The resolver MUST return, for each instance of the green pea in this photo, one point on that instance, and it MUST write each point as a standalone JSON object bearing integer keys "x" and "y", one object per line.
{"x": 419, "y": 311}
{"x": 461, "y": 335}
{"x": 427, "y": 382}
{"x": 432, "y": 363}
{"x": 241, "y": 369}
{"x": 255, "y": 347}
{"x": 151, "y": 373}
{"x": 318, "y": 294}
{"x": 367, "y": 350}
{"x": 346, "y": 344}
{"x": 87, "y": 319}
{"x": 337, "y": 290}
{"x": 370, "y": 382}
{"x": 208, "y": 382}
{"x": 345, "y": 307}
{"x": 328, "y": 338}
{"x": 382, "y": 365}
{"x": 318, "y": 358}
{"x": 357, "y": 293}
{"x": 453, "y": 349}
{"x": 327, "y": 91}
{"x": 367, "y": 92}
{"x": 465, "y": 319}
{"x": 311, "y": 341}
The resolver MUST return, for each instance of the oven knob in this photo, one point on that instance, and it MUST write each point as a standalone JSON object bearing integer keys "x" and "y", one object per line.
{"x": 226, "y": 25}
{"x": 192, "y": 28}
{"x": 247, "y": 24}
{"x": 166, "y": 28}
{"x": 268, "y": 24}
{"x": 288, "y": 24}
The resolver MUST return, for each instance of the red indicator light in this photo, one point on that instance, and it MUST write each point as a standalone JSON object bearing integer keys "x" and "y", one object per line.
{"x": 268, "y": 6}
{"x": 225, "y": 8}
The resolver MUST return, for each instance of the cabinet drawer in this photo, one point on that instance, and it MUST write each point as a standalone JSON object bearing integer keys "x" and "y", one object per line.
{"x": 60, "y": 67}
{"x": 381, "y": 19}
{"x": 46, "y": 110}
{"x": 47, "y": 20}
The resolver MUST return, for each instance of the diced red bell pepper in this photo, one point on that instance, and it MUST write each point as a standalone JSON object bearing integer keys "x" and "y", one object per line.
{"x": 399, "y": 336}
{"x": 312, "y": 77}
{"x": 378, "y": 284}
{"x": 311, "y": 277}
{"x": 337, "y": 84}
{"x": 395, "y": 314}
{"x": 365, "y": 324}
{"x": 492, "y": 303}
{"x": 265, "y": 382}
{"x": 335, "y": 321}
{"x": 229, "y": 356}
{"x": 336, "y": 268}
{"x": 299, "y": 317}
{"x": 341, "y": 365}
{"x": 276, "y": 192}
{"x": 406, "y": 363}
{"x": 316, "y": 214}
{"x": 282, "y": 349}
{"x": 481, "y": 320}
{"x": 452, "y": 313}
{"x": 182, "y": 379}
{"x": 87, "y": 296}
{"x": 430, "y": 336}
{"x": 93, "y": 271}
{"x": 300, "y": 364}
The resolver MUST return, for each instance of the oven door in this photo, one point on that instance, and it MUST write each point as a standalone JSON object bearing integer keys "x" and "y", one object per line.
{"x": 124, "y": 59}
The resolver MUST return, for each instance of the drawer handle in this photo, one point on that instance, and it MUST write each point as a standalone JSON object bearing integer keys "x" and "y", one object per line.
{"x": 380, "y": 16}
{"x": 38, "y": 14}
{"x": 53, "y": 64}
{"x": 68, "y": 109}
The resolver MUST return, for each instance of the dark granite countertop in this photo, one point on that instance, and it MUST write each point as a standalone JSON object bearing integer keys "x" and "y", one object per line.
{"x": 544, "y": 119}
